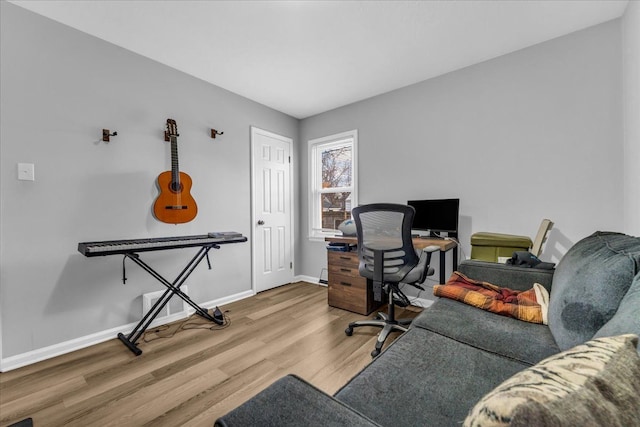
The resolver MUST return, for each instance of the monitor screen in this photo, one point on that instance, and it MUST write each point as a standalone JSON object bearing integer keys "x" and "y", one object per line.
{"x": 436, "y": 215}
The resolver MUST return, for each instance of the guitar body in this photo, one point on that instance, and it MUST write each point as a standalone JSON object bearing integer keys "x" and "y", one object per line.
{"x": 174, "y": 204}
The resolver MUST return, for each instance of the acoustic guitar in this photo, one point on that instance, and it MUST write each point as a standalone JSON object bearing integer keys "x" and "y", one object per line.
{"x": 174, "y": 204}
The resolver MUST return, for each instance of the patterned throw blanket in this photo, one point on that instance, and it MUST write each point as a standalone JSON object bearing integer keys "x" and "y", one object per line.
{"x": 531, "y": 305}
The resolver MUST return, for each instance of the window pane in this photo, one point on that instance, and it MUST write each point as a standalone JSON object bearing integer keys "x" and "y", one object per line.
{"x": 336, "y": 207}
{"x": 336, "y": 167}
{"x": 333, "y": 181}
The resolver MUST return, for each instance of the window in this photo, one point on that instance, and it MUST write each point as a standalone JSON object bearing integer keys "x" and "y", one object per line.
{"x": 333, "y": 182}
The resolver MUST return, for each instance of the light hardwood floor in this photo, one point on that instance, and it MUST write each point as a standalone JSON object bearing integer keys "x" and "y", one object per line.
{"x": 193, "y": 376}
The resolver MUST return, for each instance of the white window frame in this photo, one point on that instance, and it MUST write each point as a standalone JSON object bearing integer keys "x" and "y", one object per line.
{"x": 316, "y": 146}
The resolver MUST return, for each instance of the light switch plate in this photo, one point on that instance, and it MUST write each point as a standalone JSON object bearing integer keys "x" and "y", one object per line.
{"x": 26, "y": 172}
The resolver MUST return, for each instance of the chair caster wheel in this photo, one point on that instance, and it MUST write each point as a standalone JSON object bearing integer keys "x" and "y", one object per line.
{"x": 348, "y": 331}
{"x": 375, "y": 353}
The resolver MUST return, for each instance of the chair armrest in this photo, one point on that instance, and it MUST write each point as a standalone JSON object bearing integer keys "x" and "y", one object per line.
{"x": 506, "y": 276}
{"x": 425, "y": 258}
{"x": 291, "y": 401}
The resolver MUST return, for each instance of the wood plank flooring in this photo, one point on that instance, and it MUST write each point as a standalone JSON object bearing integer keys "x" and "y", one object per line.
{"x": 194, "y": 374}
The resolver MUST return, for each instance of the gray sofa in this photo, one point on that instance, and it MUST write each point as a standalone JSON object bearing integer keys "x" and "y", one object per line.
{"x": 454, "y": 354}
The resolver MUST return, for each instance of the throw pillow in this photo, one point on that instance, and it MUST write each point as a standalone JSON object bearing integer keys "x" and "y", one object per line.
{"x": 593, "y": 384}
{"x": 531, "y": 305}
{"x": 588, "y": 285}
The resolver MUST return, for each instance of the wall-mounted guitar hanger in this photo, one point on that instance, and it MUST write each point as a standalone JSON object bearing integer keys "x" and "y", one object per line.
{"x": 106, "y": 134}
{"x": 166, "y": 135}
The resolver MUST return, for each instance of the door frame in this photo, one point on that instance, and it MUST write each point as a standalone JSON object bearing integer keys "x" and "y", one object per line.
{"x": 254, "y": 131}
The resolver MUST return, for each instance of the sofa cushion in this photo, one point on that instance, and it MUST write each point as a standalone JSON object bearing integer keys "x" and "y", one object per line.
{"x": 594, "y": 384}
{"x": 291, "y": 401}
{"x": 526, "y": 342}
{"x": 424, "y": 378}
{"x": 589, "y": 284}
{"x": 627, "y": 318}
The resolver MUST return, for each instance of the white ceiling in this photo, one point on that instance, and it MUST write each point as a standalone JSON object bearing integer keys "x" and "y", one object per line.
{"x": 307, "y": 57}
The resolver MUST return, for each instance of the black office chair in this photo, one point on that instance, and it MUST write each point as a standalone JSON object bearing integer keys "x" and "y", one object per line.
{"x": 388, "y": 258}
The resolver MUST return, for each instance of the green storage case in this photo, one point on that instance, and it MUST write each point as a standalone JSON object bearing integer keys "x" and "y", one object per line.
{"x": 490, "y": 246}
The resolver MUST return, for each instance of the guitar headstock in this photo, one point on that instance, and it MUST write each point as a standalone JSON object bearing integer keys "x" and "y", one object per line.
{"x": 172, "y": 128}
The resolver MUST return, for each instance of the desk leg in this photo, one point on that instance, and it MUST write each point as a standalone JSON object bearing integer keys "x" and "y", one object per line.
{"x": 443, "y": 259}
{"x": 455, "y": 258}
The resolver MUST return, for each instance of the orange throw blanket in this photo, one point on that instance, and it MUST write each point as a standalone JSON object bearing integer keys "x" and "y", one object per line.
{"x": 531, "y": 305}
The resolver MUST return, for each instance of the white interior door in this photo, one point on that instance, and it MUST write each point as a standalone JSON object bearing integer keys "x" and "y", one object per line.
{"x": 272, "y": 209}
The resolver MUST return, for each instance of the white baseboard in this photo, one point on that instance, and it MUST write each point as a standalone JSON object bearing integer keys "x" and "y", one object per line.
{"x": 30, "y": 357}
{"x": 34, "y": 356}
{"x": 228, "y": 300}
{"x": 303, "y": 278}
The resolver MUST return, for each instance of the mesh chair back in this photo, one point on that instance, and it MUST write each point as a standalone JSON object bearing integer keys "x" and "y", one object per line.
{"x": 384, "y": 240}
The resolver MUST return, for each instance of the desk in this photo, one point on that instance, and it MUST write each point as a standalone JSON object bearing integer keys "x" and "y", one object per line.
{"x": 350, "y": 291}
{"x": 420, "y": 243}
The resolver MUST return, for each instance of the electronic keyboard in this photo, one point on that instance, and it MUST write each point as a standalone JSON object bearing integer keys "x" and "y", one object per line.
{"x": 115, "y": 247}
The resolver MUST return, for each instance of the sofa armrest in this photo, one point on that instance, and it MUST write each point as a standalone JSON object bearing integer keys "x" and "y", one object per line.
{"x": 506, "y": 276}
{"x": 291, "y": 401}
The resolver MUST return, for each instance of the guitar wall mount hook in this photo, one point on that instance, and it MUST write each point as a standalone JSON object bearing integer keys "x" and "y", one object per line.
{"x": 106, "y": 133}
{"x": 215, "y": 132}
{"x": 166, "y": 136}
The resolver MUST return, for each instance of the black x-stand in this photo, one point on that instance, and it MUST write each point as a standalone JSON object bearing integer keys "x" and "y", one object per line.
{"x": 173, "y": 288}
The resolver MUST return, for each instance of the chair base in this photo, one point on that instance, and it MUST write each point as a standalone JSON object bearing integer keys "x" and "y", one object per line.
{"x": 385, "y": 323}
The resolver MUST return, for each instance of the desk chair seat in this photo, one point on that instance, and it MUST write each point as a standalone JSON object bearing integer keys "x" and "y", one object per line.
{"x": 388, "y": 258}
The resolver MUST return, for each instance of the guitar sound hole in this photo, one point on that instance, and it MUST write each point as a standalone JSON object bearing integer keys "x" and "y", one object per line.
{"x": 176, "y": 187}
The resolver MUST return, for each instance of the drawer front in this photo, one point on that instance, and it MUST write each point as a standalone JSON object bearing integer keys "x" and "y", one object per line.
{"x": 357, "y": 282}
{"x": 342, "y": 294}
{"x": 344, "y": 270}
{"x": 346, "y": 259}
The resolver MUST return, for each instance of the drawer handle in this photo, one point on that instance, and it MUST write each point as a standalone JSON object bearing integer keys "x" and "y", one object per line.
{"x": 345, "y": 258}
{"x": 346, "y": 270}
{"x": 345, "y": 283}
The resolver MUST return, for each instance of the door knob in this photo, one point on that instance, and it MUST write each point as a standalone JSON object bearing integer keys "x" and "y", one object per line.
{"x": 260, "y": 222}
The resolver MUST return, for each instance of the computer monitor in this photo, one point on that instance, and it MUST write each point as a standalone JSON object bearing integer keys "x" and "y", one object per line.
{"x": 436, "y": 216}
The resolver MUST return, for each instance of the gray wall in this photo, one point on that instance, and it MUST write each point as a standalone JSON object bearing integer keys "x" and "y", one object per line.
{"x": 530, "y": 135}
{"x": 537, "y": 133}
{"x": 60, "y": 87}
{"x": 631, "y": 93}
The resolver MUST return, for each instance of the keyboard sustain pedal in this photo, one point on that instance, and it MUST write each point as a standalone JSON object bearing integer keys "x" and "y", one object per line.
{"x": 218, "y": 316}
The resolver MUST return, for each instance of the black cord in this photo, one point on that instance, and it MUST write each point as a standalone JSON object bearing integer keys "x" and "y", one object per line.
{"x": 414, "y": 301}
{"x": 226, "y": 322}
{"x": 461, "y": 254}
{"x": 186, "y": 324}
{"x": 124, "y": 271}
{"x": 157, "y": 330}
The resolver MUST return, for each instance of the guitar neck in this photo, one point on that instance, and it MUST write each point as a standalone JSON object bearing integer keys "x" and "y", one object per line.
{"x": 175, "y": 169}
